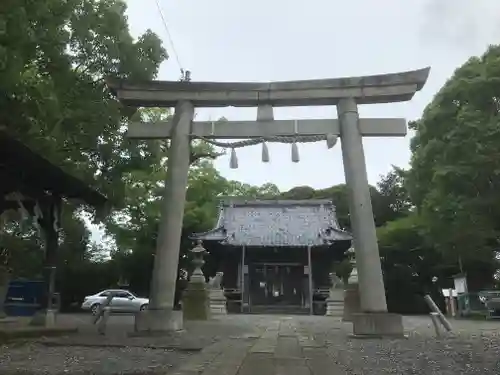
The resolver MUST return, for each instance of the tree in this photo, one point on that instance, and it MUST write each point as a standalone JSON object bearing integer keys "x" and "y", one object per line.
{"x": 409, "y": 264}
{"x": 55, "y": 57}
{"x": 455, "y": 167}
{"x": 392, "y": 199}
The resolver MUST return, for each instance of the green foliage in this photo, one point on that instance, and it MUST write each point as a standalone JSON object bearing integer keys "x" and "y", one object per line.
{"x": 409, "y": 264}
{"x": 392, "y": 199}
{"x": 456, "y": 166}
{"x": 343, "y": 270}
{"x": 54, "y": 58}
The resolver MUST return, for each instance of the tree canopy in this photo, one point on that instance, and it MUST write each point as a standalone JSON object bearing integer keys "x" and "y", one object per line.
{"x": 455, "y": 166}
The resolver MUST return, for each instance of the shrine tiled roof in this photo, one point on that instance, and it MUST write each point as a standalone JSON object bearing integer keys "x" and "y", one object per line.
{"x": 276, "y": 223}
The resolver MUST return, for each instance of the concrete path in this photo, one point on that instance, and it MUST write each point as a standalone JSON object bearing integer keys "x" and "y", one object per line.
{"x": 282, "y": 348}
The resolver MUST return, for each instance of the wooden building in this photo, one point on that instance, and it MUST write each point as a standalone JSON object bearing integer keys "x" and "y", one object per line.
{"x": 32, "y": 184}
{"x": 276, "y": 255}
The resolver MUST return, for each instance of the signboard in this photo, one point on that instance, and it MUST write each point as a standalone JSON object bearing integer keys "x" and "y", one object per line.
{"x": 306, "y": 270}
{"x": 460, "y": 282}
{"x": 446, "y": 292}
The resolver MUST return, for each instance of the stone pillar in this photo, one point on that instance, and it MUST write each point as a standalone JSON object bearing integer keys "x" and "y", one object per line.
{"x": 160, "y": 314}
{"x": 49, "y": 226}
{"x": 361, "y": 213}
{"x": 371, "y": 283}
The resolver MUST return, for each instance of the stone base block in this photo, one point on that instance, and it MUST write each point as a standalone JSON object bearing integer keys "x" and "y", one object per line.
{"x": 217, "y": 302}
{"x": 195, "y": 302}
{"x": 8, "y": 320}
{"x": 45, "y": 318}
{"x": 334, "y": 308}
{"x": 218, "y": 307}
{"x": 352, "y": 303}
{"x": 335, "y": 303}
{"x": 377, "y": 325}
{"x": 161, "y": 320}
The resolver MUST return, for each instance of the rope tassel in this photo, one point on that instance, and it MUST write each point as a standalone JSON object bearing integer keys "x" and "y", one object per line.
{"x": 265, "y": 153}
{"x": 233, "y": 162}
{"x": 331, "y": 140}
{"x": 295, "y": 153}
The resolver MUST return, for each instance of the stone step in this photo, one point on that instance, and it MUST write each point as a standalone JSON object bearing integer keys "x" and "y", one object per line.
{"x": 279, "y": 309}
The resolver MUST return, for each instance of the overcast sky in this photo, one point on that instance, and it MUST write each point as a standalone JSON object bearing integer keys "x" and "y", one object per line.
{"x": 272, "y": 40}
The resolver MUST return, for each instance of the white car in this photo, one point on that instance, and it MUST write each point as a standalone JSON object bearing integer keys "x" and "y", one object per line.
{"x": 123, "y": 301}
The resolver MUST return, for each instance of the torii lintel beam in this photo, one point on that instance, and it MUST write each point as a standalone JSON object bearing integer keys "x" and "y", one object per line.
{"x": 377, "y": 127}
{"x": 384, "y": 88}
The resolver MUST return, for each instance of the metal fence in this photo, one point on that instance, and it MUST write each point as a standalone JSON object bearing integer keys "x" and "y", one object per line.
{"x": 485, "y": 303}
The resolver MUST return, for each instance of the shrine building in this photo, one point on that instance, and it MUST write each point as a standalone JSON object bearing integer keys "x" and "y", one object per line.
{"x": 276, "y": 255}
{"x": 38, "y": 189}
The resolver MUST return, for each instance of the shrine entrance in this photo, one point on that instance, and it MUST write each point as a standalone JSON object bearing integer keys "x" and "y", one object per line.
{"x": 277, "y": 284}
{"x": 346, "y": 93}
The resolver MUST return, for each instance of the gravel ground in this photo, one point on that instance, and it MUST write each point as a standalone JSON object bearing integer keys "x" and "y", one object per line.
{"x": 474, "y": 348}
{"x": 68, "y": 357}
{"x": 39, "y": 359}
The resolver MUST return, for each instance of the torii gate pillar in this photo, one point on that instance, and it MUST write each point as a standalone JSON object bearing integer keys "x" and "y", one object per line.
{"x": 374, "y": 319}
{"x": 160, "y": 315}
{"x": 360, "y": 208}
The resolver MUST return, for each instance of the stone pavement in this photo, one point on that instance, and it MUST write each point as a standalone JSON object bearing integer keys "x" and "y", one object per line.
{"x": 282, "y": 348}
{"x": 313, "y": 345}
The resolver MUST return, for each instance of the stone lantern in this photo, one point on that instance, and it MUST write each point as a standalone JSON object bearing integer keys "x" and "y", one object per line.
{"x": 352, "y": 303}
{"x": 353, "y": 277}
{"x": 195, "y": 299}
{"x": 198, "y": 253}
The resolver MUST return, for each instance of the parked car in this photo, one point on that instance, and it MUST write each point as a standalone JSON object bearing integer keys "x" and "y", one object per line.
{"x": 123, "y": 301}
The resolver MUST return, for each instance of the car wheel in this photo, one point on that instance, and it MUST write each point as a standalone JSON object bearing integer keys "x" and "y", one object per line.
{"x": 144, "y": 307}
{"x": 95, "y": 308}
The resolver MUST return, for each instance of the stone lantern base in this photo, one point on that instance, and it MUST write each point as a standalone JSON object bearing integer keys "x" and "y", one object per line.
{"x": 335, "y": 303}
{"x": 195, "y": 301}
{"x": 217, "y": 302}
{"x": 352, "y": 303}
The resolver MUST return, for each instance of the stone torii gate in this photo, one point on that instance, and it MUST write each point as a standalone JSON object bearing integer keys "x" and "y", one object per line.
{"x": 345, "y": 93}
